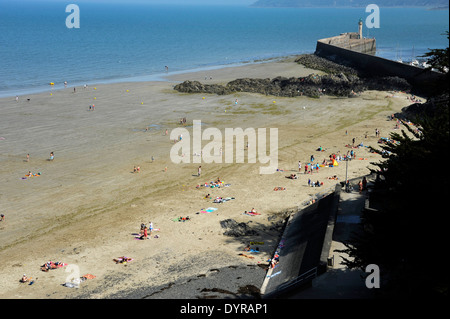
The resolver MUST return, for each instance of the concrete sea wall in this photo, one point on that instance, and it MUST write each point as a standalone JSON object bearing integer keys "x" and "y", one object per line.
{"x": 339, "y": 50}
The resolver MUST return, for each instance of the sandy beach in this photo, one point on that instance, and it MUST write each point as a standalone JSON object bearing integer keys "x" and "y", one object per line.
{"x": 84, "y": 208}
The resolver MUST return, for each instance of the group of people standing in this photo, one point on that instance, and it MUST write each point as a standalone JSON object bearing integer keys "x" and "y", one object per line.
{"x": 146, "y": 230}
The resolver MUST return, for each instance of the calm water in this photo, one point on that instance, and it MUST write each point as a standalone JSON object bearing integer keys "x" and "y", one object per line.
{"x": 135, "y": 42}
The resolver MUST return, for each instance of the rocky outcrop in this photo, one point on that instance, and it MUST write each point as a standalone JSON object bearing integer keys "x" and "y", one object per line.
{"x": 313, "y": 85}
{"x": 431, "y": 108}
{"x": 235, "y": 229}
{"x": 315, "y": 62}
{"x": 339, "y": 80}
{"x": 197, "y": 87}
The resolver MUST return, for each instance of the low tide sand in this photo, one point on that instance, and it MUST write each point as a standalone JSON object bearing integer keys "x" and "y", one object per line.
{"x": 86, "y": 205}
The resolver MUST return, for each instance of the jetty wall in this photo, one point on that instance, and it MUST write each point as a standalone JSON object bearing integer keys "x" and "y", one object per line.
{"x": 360, "y": 54}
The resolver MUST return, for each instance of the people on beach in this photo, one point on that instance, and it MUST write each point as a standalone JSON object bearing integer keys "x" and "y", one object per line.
{"x": 51, "y": 265}
{"x": 150, "y": 227}
{"x": 25, "y": 278}
{"x": 122, "y": 260}
{"x": 2, "y": 217}
{"x": 52, "y": 156}
{"x": 199, "y": 171}
{"x": 274, "y": 261}
{"x": 299, "y": 166}
{"x": 28, "y": 157}
{"x": 144, "y": 234}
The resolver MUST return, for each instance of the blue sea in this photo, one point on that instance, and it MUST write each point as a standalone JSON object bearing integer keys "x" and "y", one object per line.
{"x": 136, "y": 41}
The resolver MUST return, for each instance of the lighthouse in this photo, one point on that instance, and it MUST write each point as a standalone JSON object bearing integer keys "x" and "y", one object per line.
{"x": 360, "y": 25}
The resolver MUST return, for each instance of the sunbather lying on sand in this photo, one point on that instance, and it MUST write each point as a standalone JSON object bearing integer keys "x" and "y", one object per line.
{"x": 122, "y": 259}
{"x": 51, "y": 265}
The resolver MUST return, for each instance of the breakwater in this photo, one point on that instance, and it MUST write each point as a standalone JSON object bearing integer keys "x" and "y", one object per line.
{"x": 359, "y": 54}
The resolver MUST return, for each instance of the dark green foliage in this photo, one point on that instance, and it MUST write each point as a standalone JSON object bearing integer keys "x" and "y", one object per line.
{"x": 406, "y": 236}
{"x": 438, "y": 58}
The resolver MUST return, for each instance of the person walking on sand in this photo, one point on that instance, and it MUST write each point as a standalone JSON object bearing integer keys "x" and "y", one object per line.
{"x": 150, "y": 227}
{"x": 199, "y": 171}
{"x": 364, "y": 183}
{"x": 299, "y": 166}
{"x": 28, "y": 157}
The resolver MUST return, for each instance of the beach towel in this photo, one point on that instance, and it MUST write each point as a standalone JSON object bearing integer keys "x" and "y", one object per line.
{"x": 279, "y": 189}
{"x": 208, "y": 210}
{"x": 247, "y": 256}
{"x": 251, "y": 214}
{"x": 275, "y": 274}
{"x": 52, "y": 265}
{"x": 88, "y": 276}
{"x": 256, "y": 243}
{"x": 222, "y": 200}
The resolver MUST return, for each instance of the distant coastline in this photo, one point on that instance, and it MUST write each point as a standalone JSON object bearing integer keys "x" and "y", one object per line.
{"x": 430, "y": 5}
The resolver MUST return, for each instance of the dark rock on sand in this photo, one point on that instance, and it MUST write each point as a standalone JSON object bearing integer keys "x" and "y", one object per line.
{"x": 235, "y": 229}
{"x": 313, "y": 85}
{"x": 197, "y": 87}
{"x": 340, "y": 80}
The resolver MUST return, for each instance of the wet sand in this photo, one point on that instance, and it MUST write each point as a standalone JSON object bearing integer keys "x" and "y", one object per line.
{"x": 85, "y": 206}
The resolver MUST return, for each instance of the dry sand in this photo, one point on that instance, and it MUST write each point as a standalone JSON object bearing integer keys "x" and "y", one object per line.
{"x": 87, "y": 203}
